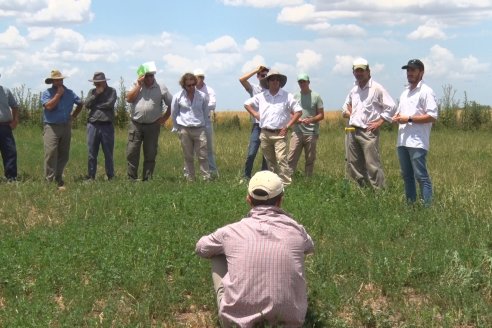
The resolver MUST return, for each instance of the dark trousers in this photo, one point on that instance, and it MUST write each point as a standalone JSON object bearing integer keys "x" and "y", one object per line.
{"x": 100, "y": 134}
{"x": 144, "y": 136}
{"x": 254, "y": 145}
{"x": 9, "y": 152}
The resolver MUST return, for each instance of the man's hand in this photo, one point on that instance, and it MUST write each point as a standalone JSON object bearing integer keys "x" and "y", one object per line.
{"x": 60, "y": 90}
{"x": 13, "y": 124}
{"x": 374, "y": 125}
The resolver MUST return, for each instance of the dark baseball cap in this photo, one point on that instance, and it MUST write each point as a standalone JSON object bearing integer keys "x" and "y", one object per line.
{"x": 414, "y": 63}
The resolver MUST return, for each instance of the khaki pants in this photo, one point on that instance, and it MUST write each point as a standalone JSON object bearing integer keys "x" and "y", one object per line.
{"x": 363, "y": 158}
{"x": 274, "y": 148}
{"x": 148, "y": 135}
{"x": 298, "y": 142}
{"x": 56, "y": 139}
{"x": 194, "y": 141}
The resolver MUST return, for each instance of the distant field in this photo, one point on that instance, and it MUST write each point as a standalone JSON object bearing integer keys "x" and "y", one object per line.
{"x": 121, "y": 254}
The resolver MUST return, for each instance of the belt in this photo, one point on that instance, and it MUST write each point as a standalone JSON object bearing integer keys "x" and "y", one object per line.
{"x": 193, "y": 127}
{"x": 4, "y": 123}
{"x": 142, "y": 123}
{"x": 272, "y": 130}
{"x": 101, "y": 123}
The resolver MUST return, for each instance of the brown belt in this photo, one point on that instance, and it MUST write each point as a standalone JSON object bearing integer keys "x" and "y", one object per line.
{"x": 272, "y": 130}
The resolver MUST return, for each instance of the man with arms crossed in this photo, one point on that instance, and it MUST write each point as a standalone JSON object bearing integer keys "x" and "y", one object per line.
{"x": 258, "y": 263}
{"x": 416, "y": 112}
{"x": 306, "y": 130}
{"x": 367, "y": 106}
{"x": 277, "y": 111}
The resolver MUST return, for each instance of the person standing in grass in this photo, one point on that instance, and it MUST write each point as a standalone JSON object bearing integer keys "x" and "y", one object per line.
{"x": 306, "y": 129}
{"x": 190, "y": 115}
{"x": 276, "y": 110}
{"x": 9, "y": 118}
{"x": 100, "y": 102}
{"x": 150, "y": 103}
{"x": 254, "y": 139}
{"x": 58, "y": 102}
{"x": 416, "y": 112}
{"x": 367, "y": 106}
{"x": 209, "y": 129}
{"x": 258, "y": 263}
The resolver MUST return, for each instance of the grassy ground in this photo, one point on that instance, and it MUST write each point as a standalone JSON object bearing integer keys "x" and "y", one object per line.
{"x": 120, "y": 254}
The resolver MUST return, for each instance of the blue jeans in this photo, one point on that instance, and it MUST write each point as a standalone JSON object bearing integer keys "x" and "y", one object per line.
{"x": 413, "y": 167}
{"x": 9, "y": 152}
{"x": 254, "y": 145}
{"x": 100, "y": 134}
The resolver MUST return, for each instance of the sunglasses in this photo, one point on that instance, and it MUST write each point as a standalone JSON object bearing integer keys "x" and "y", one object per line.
{"x": 274, "y": 78}
{"x": 190, "y": 85}
{"x": 262, "y": 75}
{"x": 149, "y": 75}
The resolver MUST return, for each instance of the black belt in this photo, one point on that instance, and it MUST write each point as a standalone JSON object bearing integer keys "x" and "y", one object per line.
{"x": 192, "y": 127}
{"x": 143, "y": 123}
{"x": 272, "y": 130}
{"x": 101, "y": 123}
{"x": 4, "y": 123}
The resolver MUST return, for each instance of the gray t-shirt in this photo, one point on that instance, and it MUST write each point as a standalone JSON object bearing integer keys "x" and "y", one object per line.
{"x": 7, "y": 101}
{"x": 310, "y": 104}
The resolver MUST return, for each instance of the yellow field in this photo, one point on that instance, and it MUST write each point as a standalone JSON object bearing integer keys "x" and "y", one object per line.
{"x": 330, "y": 116}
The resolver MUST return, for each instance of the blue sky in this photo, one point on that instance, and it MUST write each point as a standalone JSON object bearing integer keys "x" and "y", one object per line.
{"x": 226, "y": 38}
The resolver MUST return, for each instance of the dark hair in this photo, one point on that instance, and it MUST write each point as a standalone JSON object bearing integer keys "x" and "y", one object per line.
{"x": 271, "y": 201}
{"x": 187, "y": 76}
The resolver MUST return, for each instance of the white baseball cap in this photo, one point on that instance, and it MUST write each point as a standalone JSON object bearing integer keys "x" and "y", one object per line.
{"x": 360, "y": 63}
{"x": 199, "y": 72}
{"x": 266, "y": 181}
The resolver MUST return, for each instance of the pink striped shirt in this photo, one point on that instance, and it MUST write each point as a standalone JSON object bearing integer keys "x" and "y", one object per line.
{"x": 265, "y": 256}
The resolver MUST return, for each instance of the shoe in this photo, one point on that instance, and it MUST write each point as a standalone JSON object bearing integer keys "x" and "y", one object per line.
{"x": 61, "y": 185}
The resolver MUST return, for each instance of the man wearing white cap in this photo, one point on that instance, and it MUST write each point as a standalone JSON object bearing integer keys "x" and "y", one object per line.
{"x": 306, "y": 130}
{"x": 367, "y": 106}
{"x": 209, "y": 129}
{"x": 9, "y": 118}
{"x": 261, "y": 281}
{"x": 277, "y": 111}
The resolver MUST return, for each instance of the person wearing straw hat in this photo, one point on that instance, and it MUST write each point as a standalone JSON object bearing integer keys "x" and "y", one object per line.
{"x": 150, "y": 104}
{"x": 276, "y": 110}
{"x": 258, "y": 263}
{"x": 306, "y": 130}
{"x": 367, "y": 106}
{"x": 254, "y": 139}
{"x": 9, "y": 118}
{"x": 209, "y": 129}
{"x": 100, "y": 102}
{"x": 58, "y": 102}
{"x": 417, "y": 111}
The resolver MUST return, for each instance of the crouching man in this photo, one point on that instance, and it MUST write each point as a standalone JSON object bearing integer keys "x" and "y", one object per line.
{"x": 258, "y": 263}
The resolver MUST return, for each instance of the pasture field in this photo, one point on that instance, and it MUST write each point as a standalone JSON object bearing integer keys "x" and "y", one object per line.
{"x": 121, "y": 254}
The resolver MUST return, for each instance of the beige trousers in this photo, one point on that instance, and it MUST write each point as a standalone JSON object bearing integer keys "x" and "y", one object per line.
{"x": 274, "y": 148}
{"x": 194, "y": 141}
{"x": 298, "y": 142}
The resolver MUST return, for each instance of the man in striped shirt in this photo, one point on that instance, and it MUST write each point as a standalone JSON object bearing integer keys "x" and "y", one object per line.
{"x": 258, "y": 262}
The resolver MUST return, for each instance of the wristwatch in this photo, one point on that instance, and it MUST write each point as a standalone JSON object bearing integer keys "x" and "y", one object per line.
{"x": 410, "y": 120}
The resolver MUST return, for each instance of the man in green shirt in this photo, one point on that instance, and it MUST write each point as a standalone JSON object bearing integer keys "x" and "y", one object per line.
{"x": 306, "y": 130}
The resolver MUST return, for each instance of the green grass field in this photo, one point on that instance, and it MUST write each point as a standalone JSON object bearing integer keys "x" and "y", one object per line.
{"x": 121, "y": 254}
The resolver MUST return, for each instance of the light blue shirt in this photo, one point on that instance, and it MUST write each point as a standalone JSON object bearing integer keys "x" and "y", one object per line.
{"x": 60, "y": 114}
{"x": 7, "y": 101}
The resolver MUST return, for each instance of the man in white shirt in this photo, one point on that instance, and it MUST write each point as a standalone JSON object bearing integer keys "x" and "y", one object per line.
{"x": 209, "y": 129}
{"x": 367, "y": 106}
{"x": 416, "y": 112}
{"x": 276, "y": 110}
{"x": 254, "y": 139}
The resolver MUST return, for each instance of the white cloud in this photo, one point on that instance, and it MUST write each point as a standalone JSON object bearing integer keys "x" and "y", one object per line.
{"x": 252, "y": 44}
{"x": 215, "y": 63}
{"x": 12, "y": 39}
{"x": 343, "y": 64}
{"x": 39, "y": 33}
{"x": 61, "y": 11}
{"x": 307, "y": 60}
{"x": 223, "y": 44}
{"x": 249, "y": 65}
{"x": 262, "y": 3}
{"x": 431, "y": 30}
{"x": 442, "y": 63}
{"x": 338, "y": 30}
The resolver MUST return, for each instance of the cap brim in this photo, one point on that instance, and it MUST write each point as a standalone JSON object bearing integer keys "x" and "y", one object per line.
{"x": 99, "y": 80}
{"x": 359, "y": 66}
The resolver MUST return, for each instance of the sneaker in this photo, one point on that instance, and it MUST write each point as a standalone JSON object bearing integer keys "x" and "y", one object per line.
{"x": 61, "y": 185}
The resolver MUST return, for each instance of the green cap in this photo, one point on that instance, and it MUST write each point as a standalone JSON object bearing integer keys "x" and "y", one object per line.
{"x": 303, "y": 77}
